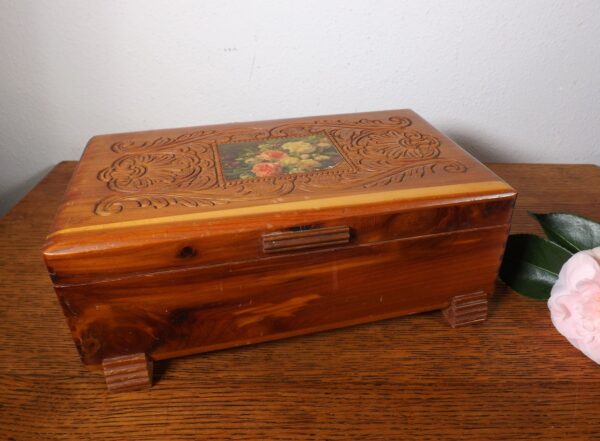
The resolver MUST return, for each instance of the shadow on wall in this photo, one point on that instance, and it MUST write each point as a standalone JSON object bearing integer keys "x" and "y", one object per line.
{"x": 21, "y": 168}
{"x": 11, "y": 195}
{"x": 483, "y": 148}
{"x": 50, "y": 119}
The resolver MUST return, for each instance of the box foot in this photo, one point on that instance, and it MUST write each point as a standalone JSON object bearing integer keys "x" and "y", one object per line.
{"x": 467, "y": 309}
{"x": 128, "y": 372}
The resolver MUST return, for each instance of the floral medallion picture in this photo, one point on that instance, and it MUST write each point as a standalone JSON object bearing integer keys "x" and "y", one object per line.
{"x": 280, "y": 156}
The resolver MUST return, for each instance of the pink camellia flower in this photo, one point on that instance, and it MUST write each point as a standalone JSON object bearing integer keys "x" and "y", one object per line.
{"x": 575, "y": 302}
{"x": 263, "y": 169}
{"x": 272, "y": 154}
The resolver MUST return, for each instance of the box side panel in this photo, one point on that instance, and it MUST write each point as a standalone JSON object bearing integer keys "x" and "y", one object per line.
{"x": 104, "y": 256}
{"x": 189, "y": 311}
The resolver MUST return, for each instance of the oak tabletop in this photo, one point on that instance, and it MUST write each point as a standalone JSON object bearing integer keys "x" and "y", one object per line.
{"x": 512, "y": 377}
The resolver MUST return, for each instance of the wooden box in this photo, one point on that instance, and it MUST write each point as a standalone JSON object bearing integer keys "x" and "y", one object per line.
{"x": 181, "y": 241}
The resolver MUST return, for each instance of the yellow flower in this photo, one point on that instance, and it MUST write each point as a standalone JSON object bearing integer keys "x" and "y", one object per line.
{"x": 288, "y": 160}
{"x": 321, "y": 157}
{"x": 298, "y": 147}
{"x": 324, "y": 144}
{"x": 309, "y": 164}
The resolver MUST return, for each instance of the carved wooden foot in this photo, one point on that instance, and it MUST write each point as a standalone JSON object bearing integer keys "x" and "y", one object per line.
{"x": 467, "y": 309}
{"x": 129, "y": 372}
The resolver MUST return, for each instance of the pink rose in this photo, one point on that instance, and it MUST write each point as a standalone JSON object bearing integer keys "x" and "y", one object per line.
{"x": 575, "y": 302}
{"x": 272, "y": 154}
{"x": 263, "y": 169}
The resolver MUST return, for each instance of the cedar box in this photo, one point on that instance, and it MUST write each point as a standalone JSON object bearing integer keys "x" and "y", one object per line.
{"x": 181, "y": 241}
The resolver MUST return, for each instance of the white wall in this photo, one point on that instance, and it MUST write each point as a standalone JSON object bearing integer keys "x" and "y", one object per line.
{"x": 511, "y": 80}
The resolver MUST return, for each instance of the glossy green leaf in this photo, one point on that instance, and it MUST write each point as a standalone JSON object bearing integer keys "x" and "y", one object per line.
{"x": 570, "y": 231}
{"x": 531, "y": 265}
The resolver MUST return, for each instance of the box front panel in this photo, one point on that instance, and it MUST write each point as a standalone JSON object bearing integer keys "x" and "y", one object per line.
{"x": 188, "y": 311}
{"x": 180, "y": 246}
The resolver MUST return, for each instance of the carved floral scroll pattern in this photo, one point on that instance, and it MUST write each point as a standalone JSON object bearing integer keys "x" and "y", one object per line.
{"x": 185, "y": 170}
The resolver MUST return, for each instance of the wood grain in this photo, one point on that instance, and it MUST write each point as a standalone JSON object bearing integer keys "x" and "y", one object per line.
{"x": 169, "y": 314}
{"x": 511, "y": 377}
{"x": 246, "y": 257}
{"x": 181, "y": 174}
{"x": 163, "y": 192}
{"x": 128, "y": 372}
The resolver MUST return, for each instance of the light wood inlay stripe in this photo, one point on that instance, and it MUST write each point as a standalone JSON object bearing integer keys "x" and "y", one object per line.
{"x": 494, "y": 188}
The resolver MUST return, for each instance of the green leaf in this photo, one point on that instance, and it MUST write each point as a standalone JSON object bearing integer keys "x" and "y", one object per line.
{"x": 531, "y": 265}
{"x": 570, "y": 231}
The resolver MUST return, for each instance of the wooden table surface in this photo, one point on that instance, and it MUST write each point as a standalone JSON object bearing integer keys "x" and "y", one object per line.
{"x": 512, "y": 377}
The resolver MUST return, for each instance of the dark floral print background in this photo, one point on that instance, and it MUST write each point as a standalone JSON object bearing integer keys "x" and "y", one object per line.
{"x": 275, "y": 157}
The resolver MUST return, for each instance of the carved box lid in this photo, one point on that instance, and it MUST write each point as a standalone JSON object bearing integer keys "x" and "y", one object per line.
{"x": 175, "y": 198}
